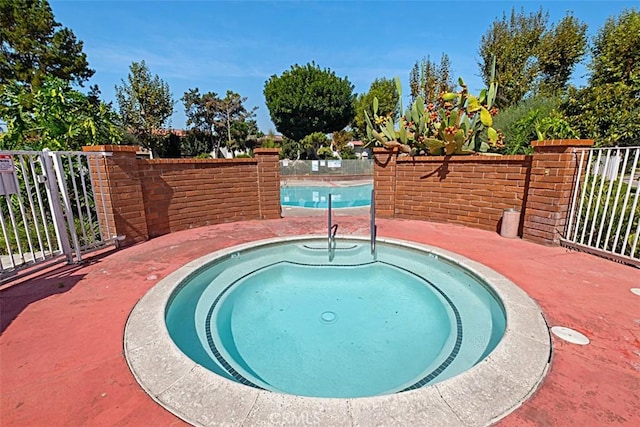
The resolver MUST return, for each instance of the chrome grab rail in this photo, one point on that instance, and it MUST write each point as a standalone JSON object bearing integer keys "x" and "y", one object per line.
{"x": 332, "y": 229}
{"x": 373, "y": 225}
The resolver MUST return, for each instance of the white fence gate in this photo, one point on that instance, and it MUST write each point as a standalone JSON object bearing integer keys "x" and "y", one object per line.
{"x": 605, "y": 210}
{"x": 48, "y": 210}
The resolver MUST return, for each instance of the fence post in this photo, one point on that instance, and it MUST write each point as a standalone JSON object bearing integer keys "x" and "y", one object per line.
{"x": 122, "y": 215}
{"x": 384, "y": 182}
{"x": 53, "y": 195}
{"x": 553, "y": 170}
{"x": 268, "y": 182}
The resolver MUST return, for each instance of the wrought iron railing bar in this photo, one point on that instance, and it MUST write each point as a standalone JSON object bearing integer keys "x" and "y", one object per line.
{"x": 15, "y": 227}
{"x": 25, "y": 221}
{"x": 611, "y": 177}
{"x": 583, "y": 194}
{"x": 5, "y": 232}
{"x": 631, "y": 215}
{"x": 39, "y": 197}
{"x": 635, "y": 241}
{"x": 626, "y": 196}
{"x": 66, "y": 202}
{"x": 593, "y": 188}
{"x": 603, "y": 175}
{"x": 92, "y": 235}
{"x": 619, "y": 182}
{"x": 57, "y": 214}
{"x": 572, "y": 211}
{"x": 32, "y": 205}
{"x": 76, "y": 197}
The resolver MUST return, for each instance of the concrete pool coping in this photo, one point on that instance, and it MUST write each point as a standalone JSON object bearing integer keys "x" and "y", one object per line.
{"x": 482, "y": 395}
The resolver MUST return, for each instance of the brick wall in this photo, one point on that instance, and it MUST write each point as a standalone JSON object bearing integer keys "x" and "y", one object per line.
{"x": 268, "y": 182}
{"x": 147, "y": 198}
{"x": 475, "y": 190}
{"x": 467, "y": 190}
{"x": 121, "y": 191}
{"x": 552, "y": 178}
{"x": 186, "y": 193}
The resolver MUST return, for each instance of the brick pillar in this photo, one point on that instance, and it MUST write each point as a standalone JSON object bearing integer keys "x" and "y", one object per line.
{"x": 549, "y": 193}
{"x": 269, "y": 182}
{"x": 384, "y": 181}
{"x": 122, "y": 193}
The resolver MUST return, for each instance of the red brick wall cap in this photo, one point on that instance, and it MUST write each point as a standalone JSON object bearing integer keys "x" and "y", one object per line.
{"x": 383, "y": 150}
{"x": 112, "y": 148}
{"x": 563, "y": 143}
{"x": 259, "y": 151}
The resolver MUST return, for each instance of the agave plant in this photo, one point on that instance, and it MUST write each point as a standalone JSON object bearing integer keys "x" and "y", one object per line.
{"x": 459, "y": 123}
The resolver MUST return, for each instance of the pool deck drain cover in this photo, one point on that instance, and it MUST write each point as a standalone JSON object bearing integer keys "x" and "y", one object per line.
{"x": 635, "y": 291}
{"x": 570, "y": 335}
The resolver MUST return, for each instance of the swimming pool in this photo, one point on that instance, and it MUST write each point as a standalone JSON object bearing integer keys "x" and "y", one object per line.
{"x": 317, "y": 196}
{"x": 496, "y": 383}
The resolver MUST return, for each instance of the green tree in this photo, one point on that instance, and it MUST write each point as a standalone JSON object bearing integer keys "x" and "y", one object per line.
{"x": 530, "y": 57}
{"x": 233, "y": 120}
{"x": 307, "y": 99}
{"x": 313, "y": 144}
{"x": 223, "y": 120}
{"x": 607, "y": 110}
{"x": 514, "y": 42}
{"x": 616, "y": 52}
{"x": 560, "y": 49}
{"x": 201, "y": 111}
{"x": 429, "y": 80}
{"x": 55, "y": 116}
{"x": 33, "y": 45}
{"x": 145, "y": 104}
{"x": 383, "y": 89}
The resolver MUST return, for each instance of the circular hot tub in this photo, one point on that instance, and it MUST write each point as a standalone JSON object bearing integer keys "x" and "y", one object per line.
{"x": 292, "y": 321}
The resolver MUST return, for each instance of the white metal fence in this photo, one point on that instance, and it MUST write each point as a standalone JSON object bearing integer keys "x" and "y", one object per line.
{"x": 293, "y": 168}
{"x": 605, "y": 210}
{"x": 47, "y": 208}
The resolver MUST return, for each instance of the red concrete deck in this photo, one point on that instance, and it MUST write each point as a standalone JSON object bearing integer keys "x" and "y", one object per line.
{"x": 61, "y": 355}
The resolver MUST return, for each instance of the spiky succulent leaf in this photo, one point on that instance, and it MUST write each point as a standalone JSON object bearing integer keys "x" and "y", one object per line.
{"x": 435, "y": 146}
{"x": 377, "y": 135}
{"x": 402, "y": 133}
{"x": 367, "y": 119}
{"x": 453, "y": 118}
{"x": 399, "y": 90}
{"x": 458, "y": 137}
{"x": 483, "y": 96}
{"x": 473, "y": 104}
{"x": 463, "y": 151}
{"x": 375, "y": 105}
{"x": 419, "y": 103}
{"x": 492, "y": 135}
{"x": 450, "y": 148}
{"x": 449, "y": 96}
{"x": 485, "y": 117}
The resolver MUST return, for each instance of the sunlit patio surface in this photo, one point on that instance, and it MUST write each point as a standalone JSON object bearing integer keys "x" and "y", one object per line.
{"x": 61, "y": 347}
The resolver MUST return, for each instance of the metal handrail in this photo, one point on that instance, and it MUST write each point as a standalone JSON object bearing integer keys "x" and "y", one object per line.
{"x": 373, "y": 226}
{"x": 332, "y": 229}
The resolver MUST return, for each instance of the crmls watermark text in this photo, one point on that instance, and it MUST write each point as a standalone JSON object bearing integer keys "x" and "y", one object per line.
{"x": 303, "y": 418}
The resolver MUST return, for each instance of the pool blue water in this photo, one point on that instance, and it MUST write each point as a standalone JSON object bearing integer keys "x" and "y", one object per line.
{"x": 317, "y": 197}
{"x": 290, "y": 319}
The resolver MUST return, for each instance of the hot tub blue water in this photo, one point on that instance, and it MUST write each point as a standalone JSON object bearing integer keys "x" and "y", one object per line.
{"x": 294, "y": 319}
{"x": 317, "y": 197}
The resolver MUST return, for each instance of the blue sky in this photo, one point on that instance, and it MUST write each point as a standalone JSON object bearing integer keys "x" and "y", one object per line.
{"x": 237, "y": 45}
